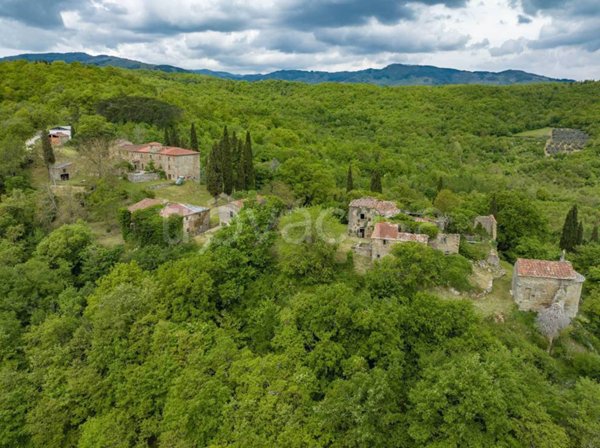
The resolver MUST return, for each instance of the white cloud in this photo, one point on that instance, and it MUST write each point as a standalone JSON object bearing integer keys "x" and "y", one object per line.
{"x": 265, "y": 35}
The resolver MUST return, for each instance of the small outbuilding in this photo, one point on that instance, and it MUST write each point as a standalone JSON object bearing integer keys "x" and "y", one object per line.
{"x": 61, "y": 172}
{"x": 449, "y": 243}
{"x": 539, "y": 283}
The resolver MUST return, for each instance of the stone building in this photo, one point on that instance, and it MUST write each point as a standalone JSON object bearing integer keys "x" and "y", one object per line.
{"x": 230, "y": 210}
{"x": 449, "y": 243}
{"x": 61, "y": 171}
{"x": 196, "y": 219}
{"x": 385, "y": 235}
{"x": 59, "y": 135}
{"x": 175, "y": 162}
{"x": 539, "y": 283}
{"x": 363, "y": 211}
{"x": 489, "y": 224}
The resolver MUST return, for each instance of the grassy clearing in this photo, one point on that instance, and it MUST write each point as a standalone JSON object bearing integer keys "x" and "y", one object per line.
{"x": 107, "y": 234}
{"x": 536, "y": 133}
{"x": 188, "y": 193}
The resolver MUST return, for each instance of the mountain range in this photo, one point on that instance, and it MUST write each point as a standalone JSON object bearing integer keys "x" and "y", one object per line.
{"x": 394, "y": 74}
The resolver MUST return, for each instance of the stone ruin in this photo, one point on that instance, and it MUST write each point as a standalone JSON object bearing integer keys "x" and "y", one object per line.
{"x": 565, "y": 140}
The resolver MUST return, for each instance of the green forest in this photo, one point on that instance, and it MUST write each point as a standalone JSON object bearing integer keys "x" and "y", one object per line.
{"x": 266, "y": 334}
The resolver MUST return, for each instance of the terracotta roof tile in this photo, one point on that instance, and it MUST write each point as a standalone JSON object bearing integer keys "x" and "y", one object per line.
{"x": 545, "y": 269}
{"x": 385, "y": 230}
{"x": 163, "y": 150}
{"x": 386, "y": 208}
{"x": 388, "y": 231}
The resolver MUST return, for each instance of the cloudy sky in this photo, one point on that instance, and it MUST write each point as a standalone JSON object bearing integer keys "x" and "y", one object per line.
{"x": 558, "y": 38}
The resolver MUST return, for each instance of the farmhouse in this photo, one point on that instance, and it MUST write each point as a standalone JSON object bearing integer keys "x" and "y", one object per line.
{"x": 196, "y": 219}
{"x": 539, "y": 283}
{"x": 175, "y": 162}
{"x": 59, "y": 135}
{"x": 363, "y": 211}
{"x": 385, "y": 235}
{"x": 487, "y": 223}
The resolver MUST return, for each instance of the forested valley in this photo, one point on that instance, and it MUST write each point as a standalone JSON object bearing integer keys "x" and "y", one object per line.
{"x": 252, "y": 338}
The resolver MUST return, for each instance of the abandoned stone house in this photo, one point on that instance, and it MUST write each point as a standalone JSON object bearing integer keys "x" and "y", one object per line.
{"x": 441, "y": 222}
{"x": 385, "y": 235}
{"x": 196, "y": 219}
{"x": 449, "y": 243}
{"x": 61, "y": 171}
{"x": 489, "y": 224}
{"x": 175, "y": 162}
{"x": 539, "y": 283}
{"x": 230, "y": 210}
{"x": 363, "y": 211}
{"x": 565, "y": 140}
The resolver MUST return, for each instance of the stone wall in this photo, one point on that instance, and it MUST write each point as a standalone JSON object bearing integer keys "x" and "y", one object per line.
{"x": 227, "y": 212}
{"x": 380, "y": 248}
{"x": 197, "y": 223}
{"x": 449, "y": 243}
{"x": 360, "y": 221}
{"x": 186, "y": 166}
{"x": 142, "y": 176}
{"x": 535, "y": 293}
{"x": 488, "y": 223}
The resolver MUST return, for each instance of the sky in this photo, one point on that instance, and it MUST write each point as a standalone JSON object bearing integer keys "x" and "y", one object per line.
{"x": 559, "y": 38}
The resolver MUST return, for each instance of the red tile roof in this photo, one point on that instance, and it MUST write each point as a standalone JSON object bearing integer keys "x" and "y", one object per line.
{"x": 143, "y": 204}
{"x": 181, "y": 210}
{"x": 388, "y": 231}
{"x": 387, "y": 208}
{"x": 385, "y": 230}
{"x": 163, "y": 150}
{"x": 562, "y": 270}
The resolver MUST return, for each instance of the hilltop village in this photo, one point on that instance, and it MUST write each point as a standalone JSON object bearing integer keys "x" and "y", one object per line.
{"x": 377, "y": 225}
{"x": 188, "y": 262}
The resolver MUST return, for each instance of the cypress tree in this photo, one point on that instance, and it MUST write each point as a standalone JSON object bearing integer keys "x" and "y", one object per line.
{"x": 226, "y": 163}
{"x": 47, "y": 151}
{"x": 594, "y": 238}
{"x": 193, "y": 138}
{"x": 349, "y": 180}
{"x": 240, "y": 177}
{"x": 249, "y": 164}
{"x": 376, "y": 181}
{"x": 175, "y": 141}
{"x": 493, "y": 205}
{"x": 580, "y": 233}
{"x": 440, "y": 184}
{"x": 214, "y": 178}
{"x": 167, "y": 138}
{"x": 569, "y": 236}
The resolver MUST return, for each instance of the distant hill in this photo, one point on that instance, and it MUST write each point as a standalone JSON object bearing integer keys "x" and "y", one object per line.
{"x": 392, "y": 75}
